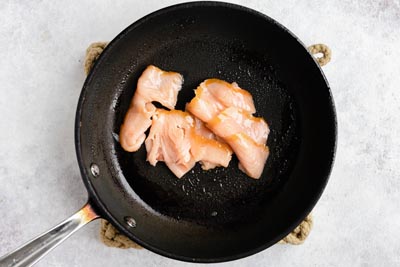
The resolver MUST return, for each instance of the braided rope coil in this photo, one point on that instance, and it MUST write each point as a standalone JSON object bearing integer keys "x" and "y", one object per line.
{"x": 322, "y": 49}
{"x": 112, "y": 238}
{"x": 92, "y": 54}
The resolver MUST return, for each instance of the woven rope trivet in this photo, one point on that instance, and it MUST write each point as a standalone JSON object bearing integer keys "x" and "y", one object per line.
{"x": 112, "y": 238}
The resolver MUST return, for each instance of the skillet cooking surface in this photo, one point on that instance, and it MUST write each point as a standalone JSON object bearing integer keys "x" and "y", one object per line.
{"x": 227, "y": 192}
{"x": 219, "y": 214}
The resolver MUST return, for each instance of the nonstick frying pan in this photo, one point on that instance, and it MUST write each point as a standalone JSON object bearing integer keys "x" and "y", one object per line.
{"x": 207, "y": 216}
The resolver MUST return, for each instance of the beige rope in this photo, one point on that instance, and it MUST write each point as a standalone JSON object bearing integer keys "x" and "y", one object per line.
{"x": 300, "y": 233}
{"x": 324, "y": 50}
{"x": 110, "y": 236}
{"x": 92, "y": 53}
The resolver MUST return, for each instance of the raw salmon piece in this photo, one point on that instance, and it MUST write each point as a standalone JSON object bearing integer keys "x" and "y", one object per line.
{"x": 153, "y": 85}
{"x": 159, "y": 86}
{"x": 230, "y": 94}
{"x": 213, "y": 96}
{"x": 137, "y": 121}
{"x": 246, "y": 135}
{"x": 210, "y": 153}
{"x": 252, "y": 156}
{"x": 201, "y": 129}
{"x": 204, "y": 105}
{"x": 180, "y": 141}
{"x": 207, "y": 148}
{"x": 234, "y": 120}
{"x": 169, "y": 141}
{"x": 227, "y": 111}
{"x": 180, "y": 169}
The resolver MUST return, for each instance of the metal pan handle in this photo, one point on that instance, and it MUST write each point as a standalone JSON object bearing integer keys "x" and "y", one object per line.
{"x": 31, "y": 252}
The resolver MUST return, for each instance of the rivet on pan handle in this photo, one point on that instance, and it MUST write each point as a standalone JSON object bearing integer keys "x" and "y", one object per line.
{"x": 31, "y": 252}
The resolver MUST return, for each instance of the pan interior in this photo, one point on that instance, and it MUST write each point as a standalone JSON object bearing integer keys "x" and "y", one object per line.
{"x": 221, "y": 195}
{"x": 220, "y": 214}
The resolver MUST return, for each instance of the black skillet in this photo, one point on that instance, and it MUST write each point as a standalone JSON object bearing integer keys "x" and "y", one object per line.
{"x": 207, "y": 216}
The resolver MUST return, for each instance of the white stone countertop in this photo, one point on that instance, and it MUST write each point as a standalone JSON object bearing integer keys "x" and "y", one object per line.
{"x": 42, "y": 46}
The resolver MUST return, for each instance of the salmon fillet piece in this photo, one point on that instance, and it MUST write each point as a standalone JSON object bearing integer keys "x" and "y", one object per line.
{"x": 213, "y": 96}
{"x": 169, "y": 141}
{"x": 154, "y": 85}
{"x": 227, "y": 110}
{"x": 207, "y": 149}
{"x": 252, "y": 156}
{"x": 246, "y": 135}
{"x": 180, "y": 141}
{"x": 201, "y": 129}
{"x": 234, "y": 120}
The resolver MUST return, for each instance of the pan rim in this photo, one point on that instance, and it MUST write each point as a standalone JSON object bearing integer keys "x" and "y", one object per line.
{"x": 99, "y": 205}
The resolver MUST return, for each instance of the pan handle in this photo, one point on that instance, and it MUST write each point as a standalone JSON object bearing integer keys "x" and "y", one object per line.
{"x": 31, "y": 252}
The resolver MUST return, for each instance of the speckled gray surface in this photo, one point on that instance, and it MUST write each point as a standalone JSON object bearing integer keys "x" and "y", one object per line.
{"x": 357, "y": 220}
